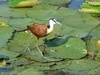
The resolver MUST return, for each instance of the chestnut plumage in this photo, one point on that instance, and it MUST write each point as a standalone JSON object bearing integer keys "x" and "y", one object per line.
{"x": 41, "y": 30}
{"x": 38, "y": 30}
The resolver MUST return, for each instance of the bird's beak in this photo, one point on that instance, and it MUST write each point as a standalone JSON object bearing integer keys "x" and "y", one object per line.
{"x": 58, "y": 23}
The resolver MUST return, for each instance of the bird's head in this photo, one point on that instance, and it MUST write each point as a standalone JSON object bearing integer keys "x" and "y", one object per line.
{"x": 53, "y": 21}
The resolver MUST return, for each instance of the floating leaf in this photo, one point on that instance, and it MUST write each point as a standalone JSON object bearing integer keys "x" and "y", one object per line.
{"x": 56, "y": 2}
{"x": 80, "y": 65}
{"x": 91, "y": 7}
{"x": 18, "y": 61}
{"x": 95, "y": 33}
{"x": 89, "y": 10}
{"x": 31, "y": 71}
{"x": 95, "y": 71}
{"x": 21, "y": 23}
{"x": 19, "y": 42}
{"x": 84, "y": 66}
{"x": 13, "y": 3}
{"x": 25, "y": 70}
{"x": 94, "y": 3}
{"x": 74, "y": 49}
{"x": 22, "y": 3}
{"x": 7, "y": 53}
{"x": 3, "y": 63}
{"x": 5, "y": 34}
{"x": 42, "y": 10}
{"x": 11, "y": 13}
{"x": 51, "y": 65}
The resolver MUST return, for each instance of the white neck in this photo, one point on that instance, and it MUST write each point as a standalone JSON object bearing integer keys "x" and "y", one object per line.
{"x": 51, "y": 23}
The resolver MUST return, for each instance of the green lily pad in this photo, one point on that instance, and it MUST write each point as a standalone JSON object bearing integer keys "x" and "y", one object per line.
{"x": 31, "y": 71}
{"x": 8, "y": 54}
{"x": 95, "y": 71}
{"x": 24, "y": 70}
{"x": 11, "y": 12}
{"x": 21, "y": 23}
{"x": 75, "y": 48}
{"x": 91, "y": 7}
{"x": 19, "y": 41}
{"x": 5, "y": 34}
{"x": 5, "y": 20}
{"x": 23, "y": 3}
{"x": 51, "y": 65}
{"x": 80, "y": 65}
{"x": 56, "y": 2}
{"x": 18, "y": 61}
{"x": 42, "y": 10}
{"x": 13, "y": 3}
{"x": 95, "y": 33}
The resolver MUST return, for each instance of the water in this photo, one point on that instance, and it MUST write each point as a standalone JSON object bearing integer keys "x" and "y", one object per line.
{"x": 3, "y": 1}
{"x": 76, "y": 4}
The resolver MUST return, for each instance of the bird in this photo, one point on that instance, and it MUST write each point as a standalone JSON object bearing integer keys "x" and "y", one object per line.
{"x": 42, "y": 30}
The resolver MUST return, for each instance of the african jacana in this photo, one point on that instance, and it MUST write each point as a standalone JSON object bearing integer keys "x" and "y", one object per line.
{"x": 41, "y": 30}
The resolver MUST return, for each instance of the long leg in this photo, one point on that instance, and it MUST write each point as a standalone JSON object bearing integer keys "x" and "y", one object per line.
{"x": 39, "y": 50}
{"x": 27, "y": 47}
{"x": 42, "y": 54}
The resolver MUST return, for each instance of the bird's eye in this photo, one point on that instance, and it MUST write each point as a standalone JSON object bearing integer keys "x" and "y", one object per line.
{"x": 54, "y": 20}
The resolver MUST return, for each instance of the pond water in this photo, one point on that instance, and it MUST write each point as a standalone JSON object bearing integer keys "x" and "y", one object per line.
{"x": 3, "y": 1}
{"x": 75, "y": 4}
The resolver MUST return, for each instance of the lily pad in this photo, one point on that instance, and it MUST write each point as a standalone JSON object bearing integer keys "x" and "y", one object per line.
{"x": 31, "y": 71}
{"x": 52, "y": 65}
{"x": 19, "y": 41}
{"x": 75, "y": 48}
{"x": 5, "y": 34}
{"x": 95, "y": 71}
{"x": 21, "y": 23}
{"x": 22, "y": 3}
{"x": 95, "y": 33}
{"x": 24, "y": 70}
{"x": 42, "y": 10}
{"x": 56, "y": 2}
{"x": 80, "y": 65}
{"x": 11, "y": 12}
{"x": 8, "y": 54}
{"x": 18, "y": 61}
{"x": 91, "y": 7}
{"x": 83, "y": 66}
